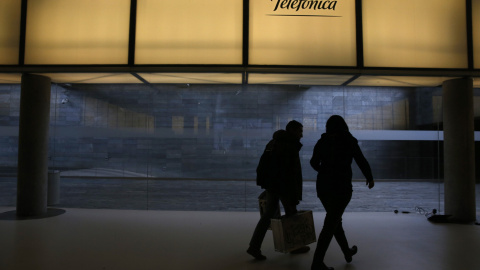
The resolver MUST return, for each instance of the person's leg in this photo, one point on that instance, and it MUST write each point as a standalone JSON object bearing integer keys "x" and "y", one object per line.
{"x": 339, "y": 234}
{"x": 262, "y": 226}
{"x": 341, "y": 239}
{"x": 334, "y": 206}
{"x": 289, "y": 206}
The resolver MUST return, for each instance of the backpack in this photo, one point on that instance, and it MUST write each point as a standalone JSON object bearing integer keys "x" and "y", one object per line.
{"x": 266, "y": 169}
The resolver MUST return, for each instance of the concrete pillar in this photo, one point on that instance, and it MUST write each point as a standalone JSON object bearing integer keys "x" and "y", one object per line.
{"x": 33, "y": 146}
{"x": 459, "y": 150}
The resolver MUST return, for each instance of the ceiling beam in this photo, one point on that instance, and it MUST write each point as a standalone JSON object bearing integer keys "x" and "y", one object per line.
{"x": 240, "y": 69}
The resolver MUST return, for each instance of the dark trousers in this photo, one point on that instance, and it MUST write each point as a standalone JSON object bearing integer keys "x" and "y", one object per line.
{"x": 271, "y": 208}
{"x": 334, "y": 204}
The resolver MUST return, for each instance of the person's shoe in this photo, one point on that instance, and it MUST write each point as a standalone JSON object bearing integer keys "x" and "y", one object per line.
{"x": 301, "y": 250}
{"x": 256, "y": 253}
{"x": 352, "y": 251}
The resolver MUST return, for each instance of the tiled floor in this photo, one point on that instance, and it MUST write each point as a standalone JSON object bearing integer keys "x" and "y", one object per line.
{"x": 171, "y": 240}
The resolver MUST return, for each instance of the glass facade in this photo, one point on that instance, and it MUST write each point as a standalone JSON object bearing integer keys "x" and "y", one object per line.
{"x": 196, "y": 147}
{"x": 170, "y": 104}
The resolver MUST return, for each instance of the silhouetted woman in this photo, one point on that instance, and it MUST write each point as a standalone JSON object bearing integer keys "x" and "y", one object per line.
{"x": 332, "y": 159}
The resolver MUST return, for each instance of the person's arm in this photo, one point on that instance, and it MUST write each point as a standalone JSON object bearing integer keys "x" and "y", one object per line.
{"x": 363, "y": 165}
{"x": 315, "y": 160}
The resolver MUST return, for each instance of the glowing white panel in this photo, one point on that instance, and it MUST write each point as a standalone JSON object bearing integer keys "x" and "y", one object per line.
{"x": 402, "y": 81}
{"x": 297, "y": 79}
{"x": 402, "y": 135}
{"x": 9, "y": 31}
{"x": 77, "y": 32}
{"x": 476, "y": 32}
{"x": 189, "y": 32}
{"x": 397, "y": 135}
{"x": 100, "y": 78}
{"x": 413, "y": 33}
{"x": 193, "y": 78}
{"x": 320, "y": 33}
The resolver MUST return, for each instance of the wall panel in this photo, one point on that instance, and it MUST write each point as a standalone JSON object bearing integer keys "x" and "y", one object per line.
{"x": 9, "y": 31}
{"x": 189, "y": 32}
{"x": 77, "y": 32}
{"x": 416, "y": 34}
{"x": 311, "y": 34}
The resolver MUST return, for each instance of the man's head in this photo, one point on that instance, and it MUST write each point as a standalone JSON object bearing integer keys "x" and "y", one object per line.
{"x": 295, "y": 128}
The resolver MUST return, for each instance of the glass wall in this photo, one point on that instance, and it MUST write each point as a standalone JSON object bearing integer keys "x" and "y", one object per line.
{"x": 196, "y": 147}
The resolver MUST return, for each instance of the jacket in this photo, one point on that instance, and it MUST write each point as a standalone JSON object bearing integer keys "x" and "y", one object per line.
{"x": 287, "y": 152}
{"x": 332, "y": 158}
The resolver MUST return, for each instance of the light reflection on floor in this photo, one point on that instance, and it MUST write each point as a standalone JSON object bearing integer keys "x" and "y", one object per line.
{"x": 171, "y": 240}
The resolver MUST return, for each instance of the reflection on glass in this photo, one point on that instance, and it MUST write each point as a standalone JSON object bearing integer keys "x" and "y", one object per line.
{"x": 197, "y": 131}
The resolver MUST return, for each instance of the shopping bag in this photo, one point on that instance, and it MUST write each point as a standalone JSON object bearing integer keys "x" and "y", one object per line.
{"x": 293, "y": 232}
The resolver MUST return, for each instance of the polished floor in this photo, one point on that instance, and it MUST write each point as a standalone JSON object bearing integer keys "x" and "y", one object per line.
{"x": 171, "y": 240}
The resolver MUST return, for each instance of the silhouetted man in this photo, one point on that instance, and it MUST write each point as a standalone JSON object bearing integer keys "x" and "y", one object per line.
{"x": 284, "y": 183}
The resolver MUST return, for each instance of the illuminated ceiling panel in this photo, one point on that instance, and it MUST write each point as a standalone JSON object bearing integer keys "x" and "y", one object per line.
{"x": 302, "y": 33}
{"x": 297, "y": 79}
{"x": 193, "y": 78}
{"x": 189, "y": 32}
{"x": 9, "y": 31}
{"x": 412, "y": 33}
{"x": 476, "y": 82}
{"x": 476, "y": 32}
{"x": 10, "y": 78}
{"x": 101, "y": 78}
{"x": 77, "y": 32}
{"x": 127, "y": 78}
{"x": 400, "y": 81}
{"x": 236, "y": 78}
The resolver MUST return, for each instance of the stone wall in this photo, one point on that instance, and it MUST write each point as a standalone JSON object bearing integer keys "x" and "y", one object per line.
{"x": 219, "y": 131}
